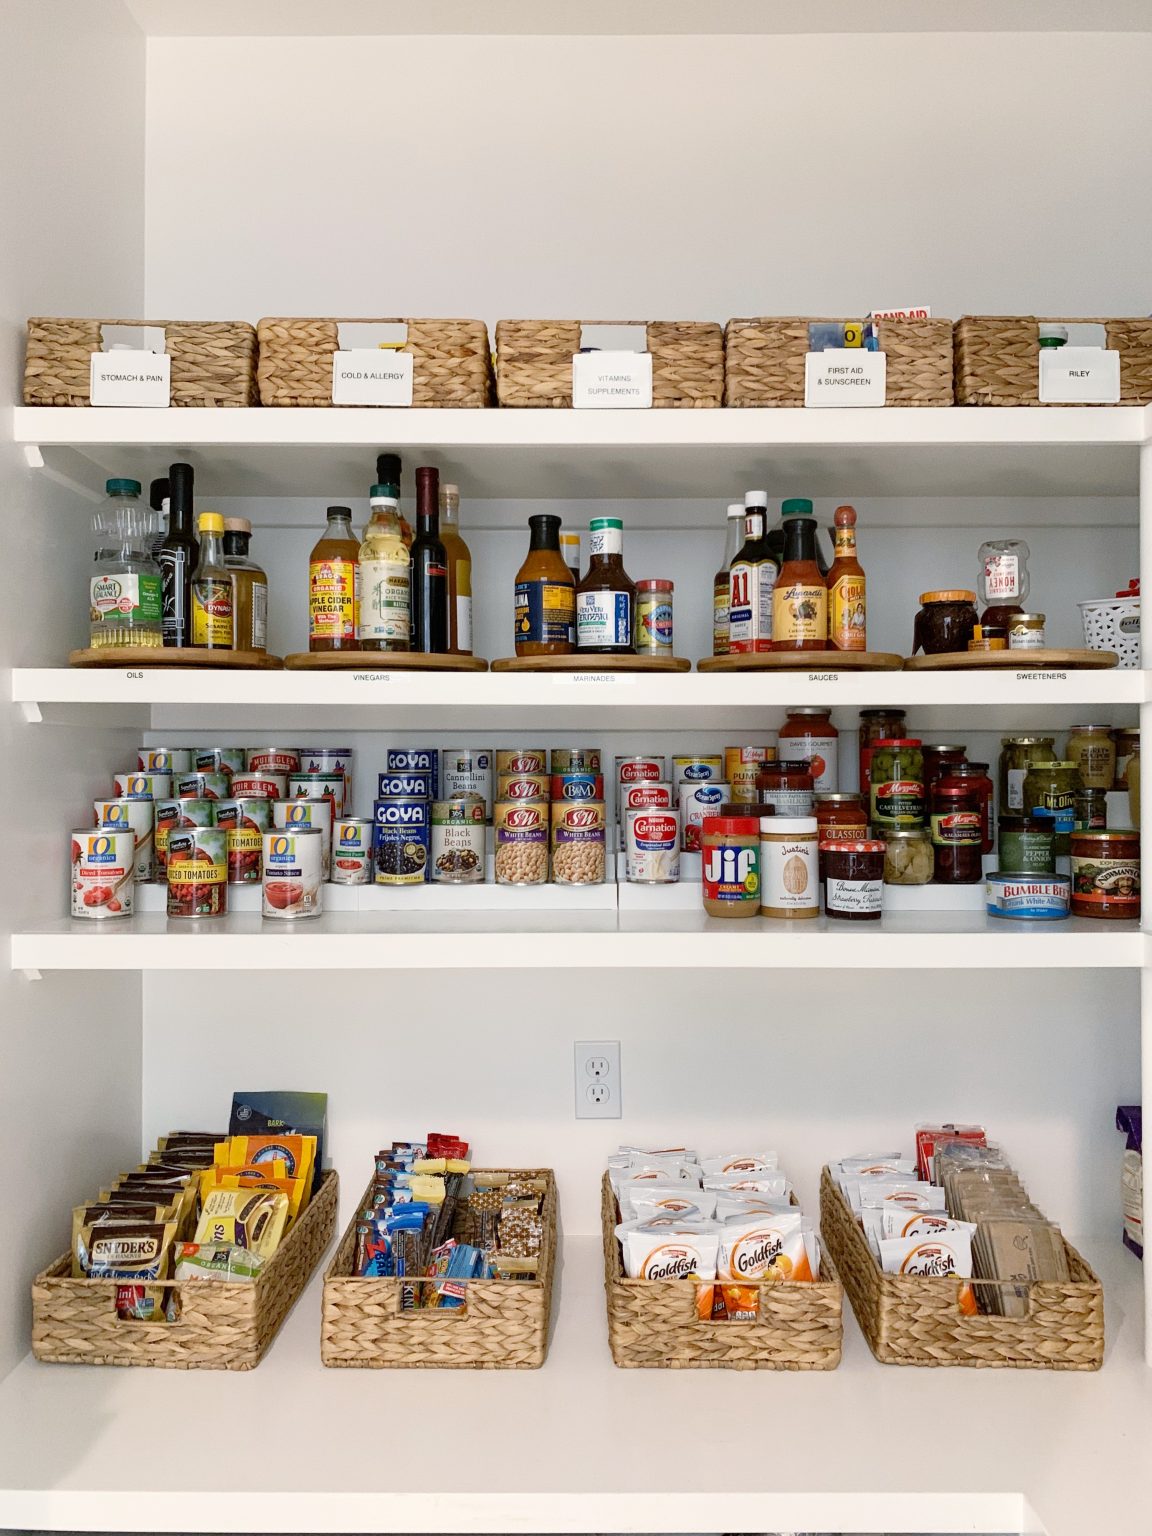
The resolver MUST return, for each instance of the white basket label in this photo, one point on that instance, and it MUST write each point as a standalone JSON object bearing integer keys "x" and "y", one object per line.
{"x": 372, "y": 376}
{"x": 130, "y": 377}
{"x": 612, "y": 381}
{"x": 1079, "y": 376}
{"x": 845, "y": 376}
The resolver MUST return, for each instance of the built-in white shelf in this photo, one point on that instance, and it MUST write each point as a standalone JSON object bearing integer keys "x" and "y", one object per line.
{"x": 1026, "y": 451}
{"x": 787, "y": 1450}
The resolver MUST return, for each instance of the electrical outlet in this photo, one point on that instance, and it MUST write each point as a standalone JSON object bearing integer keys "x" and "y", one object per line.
{"x": 598, "y": 1093}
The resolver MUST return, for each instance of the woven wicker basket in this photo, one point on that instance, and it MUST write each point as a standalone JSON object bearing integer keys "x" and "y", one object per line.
{"x": 909, "y": 1320}
{"x": 503, "y": 1326}
{"x": 764, "y": 361}
{"x": 213, "y": 361}
{"x": 452, "y": 361}
{"x": 534, "y": 361}
{"x": 997, "y": 358}
{"x": 654, "y": 1322}
{"x": 222, "y": 1325}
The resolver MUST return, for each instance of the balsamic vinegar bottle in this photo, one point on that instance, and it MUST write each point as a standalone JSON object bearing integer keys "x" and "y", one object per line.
{"x": 177, "y": 557}
{"x": 429, "y": 569}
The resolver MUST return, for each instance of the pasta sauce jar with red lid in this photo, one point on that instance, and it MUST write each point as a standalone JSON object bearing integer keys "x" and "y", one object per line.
{"x": 808, "y": 734}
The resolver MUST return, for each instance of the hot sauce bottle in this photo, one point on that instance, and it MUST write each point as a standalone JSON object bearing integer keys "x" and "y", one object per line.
{"x": 847, "y": 591}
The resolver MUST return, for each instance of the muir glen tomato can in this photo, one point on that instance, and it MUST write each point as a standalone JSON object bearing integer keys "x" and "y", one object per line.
{"x": 259, "y": 786}
{"x": 577, "y": 786}
{"x": 352, "y": 851}
{"x": 293, "y": 876}
{"x": 103, "y": 872}
{"x": 273, "y": 760}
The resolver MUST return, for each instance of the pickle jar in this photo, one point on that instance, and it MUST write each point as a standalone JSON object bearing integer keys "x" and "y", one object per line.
{"x": 1093, "y": 750}
{"x": 957, "y": 811}
{"x": 908, "y": 856}
{"x": 897, "y": 784}
{"x": 1017, "y": 754}
{"x": 1051, "y": 790}
{"x": 877, "y": 725}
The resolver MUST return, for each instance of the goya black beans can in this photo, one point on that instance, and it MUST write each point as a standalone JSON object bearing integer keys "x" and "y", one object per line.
{"x": 401, "y": 838}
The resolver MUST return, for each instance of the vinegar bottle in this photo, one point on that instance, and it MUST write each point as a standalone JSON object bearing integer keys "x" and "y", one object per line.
{"x": 333, "y": 586}
{"x": 429, "y": 570}
{"x": 459, "y": 573}
{"x": 722, "y": 581}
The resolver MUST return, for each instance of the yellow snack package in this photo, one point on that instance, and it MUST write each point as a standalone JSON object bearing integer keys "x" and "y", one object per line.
{"x": 298, "y": 1152}
{"x": 244, "y": 1218}
{"x": 255, "y": 1176}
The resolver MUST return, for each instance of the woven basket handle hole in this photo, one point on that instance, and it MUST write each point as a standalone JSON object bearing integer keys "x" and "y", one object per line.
{"x": 425, "y": 1300}
{"x": 354, "y": 335}
{"x": 135, "y": 338}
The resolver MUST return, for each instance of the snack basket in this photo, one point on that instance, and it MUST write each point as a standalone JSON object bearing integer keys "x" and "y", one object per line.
{"x": 452, "y": 364}
{"x": 913, "y": 1320}
{"x": 213, "y": 361}
{"x": 222, "y": 1325}
{"x": 764, "y": 361}
{"x": 503, "y": 1325}
{"x": 997, "y": 358}
{"x": 534, "y": 361}
{"x": 653, "y": 1323}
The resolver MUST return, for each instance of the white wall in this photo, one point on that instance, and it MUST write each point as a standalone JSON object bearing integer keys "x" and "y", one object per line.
{"x": 71, "y": 186}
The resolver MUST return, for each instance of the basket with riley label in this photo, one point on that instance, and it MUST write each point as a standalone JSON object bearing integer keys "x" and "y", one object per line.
{"x": 726, "y": 1277}
{"x": 210, "y": 362}
{"x": 1113, "y": 624}
{"x": 537, "y": 361}
{"x": 463, "y": 1284}
{"x": 765, "y": 357}
{"x": 997, "y": 1286}
{"x": 374, "y": 362}
{"x": 998, "y": 359}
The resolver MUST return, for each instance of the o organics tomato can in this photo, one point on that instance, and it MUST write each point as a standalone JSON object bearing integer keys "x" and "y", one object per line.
{"x": 352, "y": 851}
{"x": 293, "y": 878}
{"x": 245, "y": 820}
{"x": 329, "y": 787}
{"x": 198, "y": 872}
{"x": 143, "y": 786}
{"x": 297, "y": 815}
{"x": 164, "y": 759}
{"x": 103, "y": 872}
{"x": 137, "y": 817}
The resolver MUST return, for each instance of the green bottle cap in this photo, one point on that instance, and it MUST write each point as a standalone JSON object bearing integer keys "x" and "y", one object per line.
{"x": 387, "y": 491}
{"x": 606, "y": 522}
{"x": 122, "y": 487}
{"x": 796, "y": 506}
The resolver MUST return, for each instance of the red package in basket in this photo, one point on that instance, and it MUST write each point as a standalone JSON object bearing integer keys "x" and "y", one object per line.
{"x": 929, "y": 1137}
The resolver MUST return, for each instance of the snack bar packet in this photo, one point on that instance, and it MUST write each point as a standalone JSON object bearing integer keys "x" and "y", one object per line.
{"x": 647, "y": 1200}
{"x": 896, "y": 1222}
{"x": 930, "y": 1138}
{"x": 246, "y": 1218}
{"x": 763, "y": 1248}
{"x": 216, "y": 1261}
{"x": 671, "y": 1253}
{"x": 741, "y": 1162}
{"x": 932, "y": 1258}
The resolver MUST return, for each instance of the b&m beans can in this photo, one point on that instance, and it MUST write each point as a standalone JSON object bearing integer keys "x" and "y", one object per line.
{"x": 164, "y": 760}
{"x": 577, "y": 786}
{"x": 137, "y": 817}
{"x": 102, "y": 872}
{"x": 293, "y": 881}
{"x": 198, "y": 872}
{"x": 352, "y": 851}
{"x": 143, "y": 786}
{"x": 295, "y": 815}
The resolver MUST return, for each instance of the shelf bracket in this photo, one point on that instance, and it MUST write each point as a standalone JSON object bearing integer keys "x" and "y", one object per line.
{"x": 69, "y": 468}
{"x": 32, "y": 713}
{"x": 33, "y": 457}
{"x": 31, "y": 975}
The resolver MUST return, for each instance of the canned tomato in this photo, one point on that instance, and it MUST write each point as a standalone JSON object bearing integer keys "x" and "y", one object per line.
{"x": 259, "y": 786}
{"x": 204, "y": 785}
{"x": 521, "y": 760}
{"x": 143, "y": 786}
{"x": 576, "y": 760}
{"x": 652, "y": 846}
{"x": 326, "y": 787}
{"x": 401, "y": 841}
{"x": 198, "y": 872}
{"x": 351, "y": 851}
{"x": 577, "y": 786}
{"x": 227, "y": 760}
{"x": 245, "y": 820}
{"x": 164, "y": 759}
{"x": 137, "y": 817}
{"x": 468, "y": 771}
{"x": 295, "y": 815}
{"x": 696, "y": 802}
{"x": 103, "y": 872}
{"x": 578, "y": 842}
{"x": 272, "y": 760}
{"x": 458, "y": 840}
{"x": 330, "y": 760}
{"x": 696, "y": 770}
{"x": 644, "y": 796}
{"x": 522, "y": 786}
{"x": 521, "y": 837}
{"x": 187, "y": 811}
{"x": 402, "y": 784}
{"x": 292, "y": 883}
{"x": 415, "y": 760}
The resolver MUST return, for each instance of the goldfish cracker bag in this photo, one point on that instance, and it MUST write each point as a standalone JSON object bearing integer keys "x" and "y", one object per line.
{"x": 763, "y": 1248}
{"x": 742, "y": 1162}
{"x": 671, "y": 1252}
{"x": 649, "y": 1200}
{"x": 932, "y": 1258}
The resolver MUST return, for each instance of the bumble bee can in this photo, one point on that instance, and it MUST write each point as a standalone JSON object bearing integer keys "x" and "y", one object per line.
{"x": 352, "y": 851}
{"x": 103, "y": 872}
{"x": 293, "y": 884}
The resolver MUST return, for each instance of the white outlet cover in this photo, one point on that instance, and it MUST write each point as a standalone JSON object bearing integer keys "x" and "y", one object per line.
{"x": 597, "y": 1079}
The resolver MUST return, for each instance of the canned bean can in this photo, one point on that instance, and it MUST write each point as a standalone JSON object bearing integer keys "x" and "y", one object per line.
{"x": 326, "y": 787}
{"x": 652, "y": 846}
{"x": 103, "y": 872}
{"x": 142, "y": 786}
{"x": 272, "y": 760}
{"x": 577, "y": 786}
{"x": 204, "y": 785}
{"x": 696, "y": 802}
{"x": 198, "y": 872}
{"x": 245, "y": 819}
{"x": 227, "y": 760}
{"x": 738, "y": 758}
{"x": 415, "y": 760}
{"x": 576, "y": 760}
{"x": 330, "y": 760}
{"x": 293, "y": 878}
{"x": 401, "y": 841}
{"x": 521, "y": 837}
{"x": 139, "y": 818}
{"x": 187, "y": 811}
{"x": 296, "y": 815}
{"x": 458, "y": 840}
{"x": 164, "y": 759}
{"x": 696, "y": 770}
{"x": 578, "y": 842}
{"x": 352, "y": 851}
{"x": 468, "y": 771}
{"x": 522, "y": 786}
{"x": 402, "y": 784}
{"x": 521, "y": 760}
{"x": 259, "y": 786}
